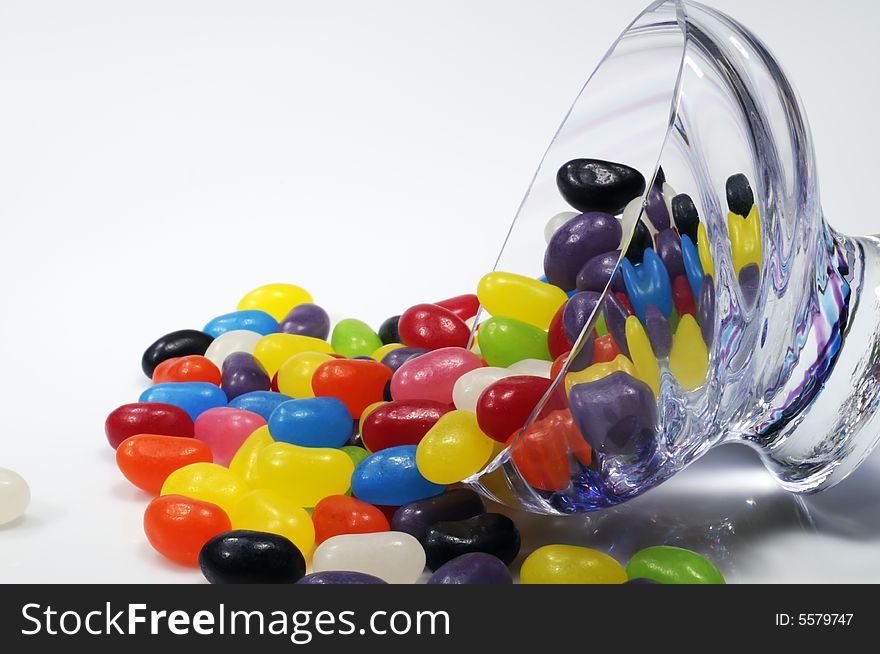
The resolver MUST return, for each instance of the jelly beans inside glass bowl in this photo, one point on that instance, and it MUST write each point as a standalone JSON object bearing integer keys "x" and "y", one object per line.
{"x": 678, "y": 208}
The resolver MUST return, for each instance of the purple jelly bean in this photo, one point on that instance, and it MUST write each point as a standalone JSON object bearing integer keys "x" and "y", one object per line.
{"x": 418, "y": 517}
{"x": 575, "y": 243}
{"x": 597, "y": 271}
{"x": 242, "y": 373}
{"x": 637, "y": 580}
{"x": 340, "y": 577}
{"x": 659, "y": 333}
{"x": 750, "y": 283}
{"x": 658, "y": 212}
{"x": 669, "y": 250}
{"x": 396, "y": 358}
{"x": 472, "y": 568}
{"x": 615, "y": 320}
{"x": 577, "y": 313}
{"x": 615, "y": 414}
{"x": 706, "y": 309}
{"x": 306, "y": 320}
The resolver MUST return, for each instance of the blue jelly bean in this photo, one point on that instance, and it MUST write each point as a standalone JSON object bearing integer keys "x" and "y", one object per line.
{"x": 390, "y": 478}
{"x": 193, "y": 397}
{"x": 312, "y": 422}
{"x": 249, "y": 319}
{"x": 260, "y": 402}
{"x": 647, "y": 283}
{"x": 693, "y": 268}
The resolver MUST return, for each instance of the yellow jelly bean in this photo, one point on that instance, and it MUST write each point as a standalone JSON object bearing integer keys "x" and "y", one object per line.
{"x": 268, "y": 511}
{"x": 273, "y": 350}
{"x": 208, "y": 482}
{"x": 704, "y": 251}
{"x": 453, "y": 449}
{"x": 689, "y": 358}
{"x": 745, "y": 238}
{"x": 304, "y": 475}
{"x": 244, "y": 463}
{"x": 379, "y": 354}
{"x": 523, "y": 298}
{"x": 275, "y": 299}
{"x": 567, "y": 564}
{"x": 642, "y": 354}
{"x": 598, "y": 371}
{"x": 295, "y": 374}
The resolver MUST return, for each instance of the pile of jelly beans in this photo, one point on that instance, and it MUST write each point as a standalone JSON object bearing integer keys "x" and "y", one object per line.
{"x": 272, "y": 443}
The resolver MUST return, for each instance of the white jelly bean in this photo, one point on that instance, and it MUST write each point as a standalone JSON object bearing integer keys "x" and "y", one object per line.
{"x": 393, "y": 556}
{"x": 238, "y": 340}
{"x": 535, "y": 367}
{"x": 469, "y": 386}
{"x": 14, "y": 495}
{"x": 556, "y": 222}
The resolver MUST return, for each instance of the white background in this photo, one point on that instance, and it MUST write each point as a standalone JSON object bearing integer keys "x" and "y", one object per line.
{"x": 159, "y": 159}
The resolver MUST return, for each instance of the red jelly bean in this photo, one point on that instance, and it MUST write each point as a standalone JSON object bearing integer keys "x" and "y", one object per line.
{"x": 558, "y": 362}
{"x": 504, "y": 406}
{"x": 341, "y": 514}
{"x": 541, "y": 451}
{"x": 463, "y": 306}
{"x": 191, "y": 368}
{"x": 432, "y": 327}
{"x": 402, "y": 422}
{"x": 147, "y": 418}
{"x": 177, "y": 526}
{"x": 357, "y": 382}
{"x": 683, "y": 297}
{"x": 624, "y": 300}
{"x": 557, "y": 340}
{"x": 147, "y": 459}
{"x": 605, "y": 349}
{"x": 274, "y": 385}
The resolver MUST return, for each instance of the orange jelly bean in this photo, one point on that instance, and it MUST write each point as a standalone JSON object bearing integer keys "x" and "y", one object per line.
{"x": 147, "y": 459}
{"x": 192, "y": 368}
{"x": 341, "y": 514}
{"x": 177, "y": 526}
{"x": 541, "y": 453}
{"x": 357, "y": 382}
{"x": 605, "y": 349}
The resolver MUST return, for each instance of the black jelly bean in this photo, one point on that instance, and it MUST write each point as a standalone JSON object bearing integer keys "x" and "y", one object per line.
{"x": 386, "y": 393}
{"x": 596, "y": 185}
{"x": 740, "y": 197}
{"x": 251, "y": 557}
{"x": 641, "y": 241}
{"x": 182, "y": 343}
{"x": 491, "y": 533}
{"x": 388, "y": 332}
{"x": 686, "y": 217}
{"x": 418, "y": 517}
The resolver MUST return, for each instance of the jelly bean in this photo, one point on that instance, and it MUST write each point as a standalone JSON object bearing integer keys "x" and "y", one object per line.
{"x": 656, "y": 209}
{"x": 388, "y": 331}
{"x": 532, "y": 367}
{"x": 706, "y": 254}
{"x": 464, "y": 306}
{"x": 595, "y": 273}
{"x": 417, "y": 517}
{"x": 305, "y": 475}
{"x": 392, "y": 556}
{"x": 706, "y": 311}
{"x": 504, "y": 407}
{"x": 472, "y": 568}
{"x": 386, "y": 394}
{"x": 557, "y": 340}
{"x": 392, "y": 478}
{"x": 683, "y": 297}
{"x": 224, "y": 429}
{"x": 673, "y": 565}
{"x": 398, "y": 356}
{"x": 605, "y": 349}
{"x": 642, "y": 354}
{"x": 556, "y": 222}
{"x": 176, "y": 344}
{"x": 541, "y": 452}
{"x": 189, "y": 368}
{"x": 658, "y": 330}
{"x": 689, "y": 358}
{"x": 244, "y": 463}
{"x": 251, "y": 320}
{"x": 597, "y": 371}
{"x": 355, "y": 453}
{"x": 523, "y": 298}
{"x": 616, "y": 314}
{"x": 381, "y": 352}
{"x": 575, "y": 243}
{"x": 146, "y": 418}
{"x": 353, "y": 338}
{"x": 340, "y": 514}
{"x": 578, "y": 312}
{"x": 269, "y": 512}
{"x": 470, "y": 386}
{"x": 568, "y": 564}
{"x": 639, "y": 581}
{"x": 242, "y": 373}
{"x": 432, "y": 327}
{"x": 432, "y": 376}
{"x": 491, "y": 533}
{"x": 597, "y": 185}
{"x": 357, "y": 383}
{"x": 15, "y": 495}
{"x": 616, "y": 414}
{"x": 740, "y": 198}
{"x": 669, "y": 251}
{"x": 311, "y": 422}
{"x": 453, "y": 449}
{"x": 263, "y": 403}
{"x": 178, "y": 527}
{"x": 193, "y": 397}
{"x": 146, "y": 460}
{"x": 685, "y": 215}
{"x": 208, "y": 482}
{"x": 295, "y": 374}
{"x": 745, "y": 241}
{"x": 640, "y": 241}
{"x": 334, "y": 577}
{"x": 251, "y": 557}
{"x": 306, "y": 319}
{"x": 273, "y": 350}
{"x": 749, "y": 281}
{"x": 692, "y": 266}
{"x": 504, "y": 341}
{"x": 401, "y": 422}
{"x": 648, "y": 283}
{"x": 277, "y": 300}
{"x": 231, "y": 342}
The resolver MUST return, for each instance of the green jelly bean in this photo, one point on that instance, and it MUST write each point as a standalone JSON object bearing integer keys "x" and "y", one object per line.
{"x": 504, "y": 341}
{"x": 355, "y": 453}
{"x": 354, "y": 338}
{"x": 601, "y": 327}
{"x": 672, "y": 565}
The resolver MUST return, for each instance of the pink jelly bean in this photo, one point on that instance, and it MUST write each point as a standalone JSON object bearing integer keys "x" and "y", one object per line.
{"x": 431, "y": 376}
{"x": 224, "y": 429}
